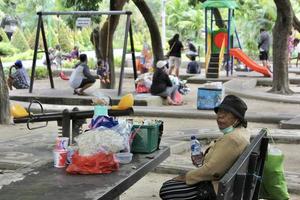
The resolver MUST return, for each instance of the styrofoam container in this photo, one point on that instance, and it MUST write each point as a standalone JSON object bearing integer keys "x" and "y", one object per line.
{"x": 124, "y": 158}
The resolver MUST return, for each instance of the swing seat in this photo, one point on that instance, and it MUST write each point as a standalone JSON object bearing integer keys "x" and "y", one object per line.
{"x": 125, "y": 102}
{"x": 63, "y": 76}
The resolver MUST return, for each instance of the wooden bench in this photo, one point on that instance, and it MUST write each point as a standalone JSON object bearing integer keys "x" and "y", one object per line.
{"x": 243, "y": 179}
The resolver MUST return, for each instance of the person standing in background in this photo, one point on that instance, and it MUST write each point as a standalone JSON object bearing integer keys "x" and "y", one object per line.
{"x": 264, "y": 46}
{"x": 175, "y": 54}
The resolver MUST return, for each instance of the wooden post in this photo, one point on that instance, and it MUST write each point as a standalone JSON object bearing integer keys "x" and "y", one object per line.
{"x": 37, "y": 37}
{"x": 124, "y": 55}
{"x": 47, "y": 54}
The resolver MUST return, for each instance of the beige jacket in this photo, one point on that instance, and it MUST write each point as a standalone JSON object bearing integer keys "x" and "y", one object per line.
{"x": 220, "y": 157}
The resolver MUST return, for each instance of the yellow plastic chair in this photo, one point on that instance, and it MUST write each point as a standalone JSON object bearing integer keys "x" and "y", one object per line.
{"x": 125, "y": 102}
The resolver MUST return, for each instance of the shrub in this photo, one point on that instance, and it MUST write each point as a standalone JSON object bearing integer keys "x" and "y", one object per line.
{"x": 3, "y": 35}
{"x": 86, "y": 34}
{"x": 64, "y": 39}
{"x": 18, "y": 40}
{"x": 32, "y": 38}
{"x": 6, "y": 49}
{"x": 70, "y": 64}
{"x": 51, "y": 36}
{"x": 40, "y": 72}
{"x": 27, "y": 34}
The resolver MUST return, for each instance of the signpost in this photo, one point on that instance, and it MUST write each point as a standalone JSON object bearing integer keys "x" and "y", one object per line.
{"x": 83, "y": 21}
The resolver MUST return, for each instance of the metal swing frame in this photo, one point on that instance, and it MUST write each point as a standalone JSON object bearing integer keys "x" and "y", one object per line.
{"x": 41, "y": 29}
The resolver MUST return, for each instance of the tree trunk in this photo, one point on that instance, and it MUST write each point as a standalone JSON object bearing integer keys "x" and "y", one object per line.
{"x": 296, "y": 22}
{"x": 153, "y": 29}
{"x": 103, "y": 40}
{"x": 282, "y": 28}
{"x": 4, "y": 98}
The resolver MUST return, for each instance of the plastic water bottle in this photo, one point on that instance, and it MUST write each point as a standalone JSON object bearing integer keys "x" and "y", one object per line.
{"x": 196, "y": 152}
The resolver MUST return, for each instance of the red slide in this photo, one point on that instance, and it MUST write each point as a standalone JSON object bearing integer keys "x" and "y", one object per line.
{"x": 240, "y": 55}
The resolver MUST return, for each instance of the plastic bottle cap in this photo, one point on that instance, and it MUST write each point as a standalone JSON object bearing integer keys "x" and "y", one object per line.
{"x": 193, "y": 137}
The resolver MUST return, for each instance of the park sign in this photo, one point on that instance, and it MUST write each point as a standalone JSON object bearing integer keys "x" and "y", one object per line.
{"x": 83, "y": 21}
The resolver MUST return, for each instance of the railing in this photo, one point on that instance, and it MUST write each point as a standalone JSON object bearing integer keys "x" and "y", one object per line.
{"x": 208, "y": 53}
{"x": 221, "y": 55}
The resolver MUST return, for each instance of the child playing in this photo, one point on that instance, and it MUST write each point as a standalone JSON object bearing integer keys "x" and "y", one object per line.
{"x": 102, "y": 71}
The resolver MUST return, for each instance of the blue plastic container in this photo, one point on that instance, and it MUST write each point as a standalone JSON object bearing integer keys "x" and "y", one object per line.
{"x": 208, "y": 98}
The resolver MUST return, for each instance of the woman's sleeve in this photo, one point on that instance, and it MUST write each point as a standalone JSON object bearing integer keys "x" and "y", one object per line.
{"x": 222, "y": 155}
{"x": 87, "y": 73}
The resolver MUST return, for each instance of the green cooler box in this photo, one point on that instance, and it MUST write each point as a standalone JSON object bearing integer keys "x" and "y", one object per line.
{"x": 146, "y": 139}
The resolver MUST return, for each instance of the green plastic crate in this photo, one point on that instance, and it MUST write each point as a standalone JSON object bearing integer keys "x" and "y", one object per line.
{"x": 146, "y": 139}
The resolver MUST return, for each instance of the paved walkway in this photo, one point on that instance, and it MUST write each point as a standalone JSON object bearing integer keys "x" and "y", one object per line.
{"x": 22, "y": 149}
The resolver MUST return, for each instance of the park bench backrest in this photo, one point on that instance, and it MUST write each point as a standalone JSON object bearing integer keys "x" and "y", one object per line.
{"x": 242, "y": 181}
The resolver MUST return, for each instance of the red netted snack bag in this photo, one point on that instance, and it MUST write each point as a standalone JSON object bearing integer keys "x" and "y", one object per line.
{"x": 100, "y": 163}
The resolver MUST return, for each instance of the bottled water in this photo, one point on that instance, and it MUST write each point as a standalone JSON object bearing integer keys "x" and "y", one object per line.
{"x": 196, "y": 152}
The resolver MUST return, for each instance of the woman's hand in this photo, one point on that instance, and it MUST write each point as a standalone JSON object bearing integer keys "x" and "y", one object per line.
{"x": 180, "y": 178}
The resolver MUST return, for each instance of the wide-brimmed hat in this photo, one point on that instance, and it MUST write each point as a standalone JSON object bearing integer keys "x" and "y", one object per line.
{"x": 236, "y": 106}
{"x": 162, "y": 63}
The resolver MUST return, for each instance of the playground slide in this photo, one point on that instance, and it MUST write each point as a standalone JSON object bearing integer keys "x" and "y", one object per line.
{"x": 240, "y": 55}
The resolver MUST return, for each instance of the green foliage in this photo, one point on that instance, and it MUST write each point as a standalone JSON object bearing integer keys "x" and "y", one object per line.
{"x": 3, "y": 35}
{"x": 27, "y": 55}
{"x": 64, "y": 39}
{"x": 249, "y": 24}
{"x": 91, "y": 63}
{"x": 32, "y": 38}
{"x": 6, "y": 49}
{"x": 51, "y": 36}
{"x": 186, "y": 20}
{"x": 40, "y": 72}
{"x": 19, "y": 41}
{"x": 86, "y": 34}
{"x": 70, "y": 64}
{"x": 117, "y": 61}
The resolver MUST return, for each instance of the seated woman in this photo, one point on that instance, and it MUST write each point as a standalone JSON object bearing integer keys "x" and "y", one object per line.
{"x": 161, "y": 83}
{"x": 74, "y": 54}
{"x": 81, "y": 78}
{"x": 18, "y": 79}
{"x": 218, "y": 158}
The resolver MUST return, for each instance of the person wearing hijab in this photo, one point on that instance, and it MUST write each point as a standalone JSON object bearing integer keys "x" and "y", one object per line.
{"x": 201, "y": 183}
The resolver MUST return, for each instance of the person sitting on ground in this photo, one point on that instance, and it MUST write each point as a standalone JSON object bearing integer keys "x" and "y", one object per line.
{"x": 193, "y": 66}
{"x": 218, "y": 158}
{"x": 18, "y": 79}
{"x": 161, "y": 83}
{"x": 102, "y": 71}
{"x": 81, "y": 77}
{"x": 74, "y": 53}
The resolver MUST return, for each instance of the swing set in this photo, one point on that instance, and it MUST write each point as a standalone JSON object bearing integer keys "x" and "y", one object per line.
{"x": 41, "y": 29}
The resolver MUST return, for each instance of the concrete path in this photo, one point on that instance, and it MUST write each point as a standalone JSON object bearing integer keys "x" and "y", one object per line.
{"x": 22, "y": 149}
